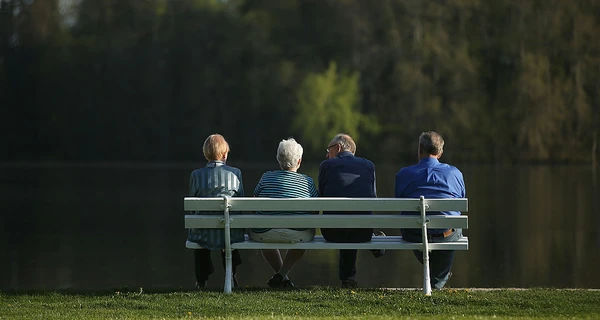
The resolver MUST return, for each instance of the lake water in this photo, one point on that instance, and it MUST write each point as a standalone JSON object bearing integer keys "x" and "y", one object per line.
{"x": 112, "y": 226}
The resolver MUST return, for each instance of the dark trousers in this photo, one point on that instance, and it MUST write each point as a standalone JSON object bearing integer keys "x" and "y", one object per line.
{"x": 203, "y": 263}
{"x": 347, "y": 260}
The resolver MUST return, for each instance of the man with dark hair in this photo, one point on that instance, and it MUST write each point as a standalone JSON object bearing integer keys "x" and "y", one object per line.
{"x": 344, "y": 175}
{"x": 432, "y": 179}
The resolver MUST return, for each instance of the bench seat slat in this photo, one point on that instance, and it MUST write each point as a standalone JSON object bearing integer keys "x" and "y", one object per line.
{"x": 324, "y": 204}
{"x": 325, "y": 221}
{"x": 388, "y": 243}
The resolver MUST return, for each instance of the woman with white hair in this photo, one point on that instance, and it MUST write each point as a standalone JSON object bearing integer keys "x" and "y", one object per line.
{"x": 284, "y": 183}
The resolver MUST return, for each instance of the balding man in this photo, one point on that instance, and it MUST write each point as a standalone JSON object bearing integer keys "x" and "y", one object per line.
{"x": 345, "y": 175}
{"x": 432, "y": 179}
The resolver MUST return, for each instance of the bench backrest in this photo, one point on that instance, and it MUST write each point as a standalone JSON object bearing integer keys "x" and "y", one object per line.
{"x": 394, "y": 205}
{"x": 325, "y": 204}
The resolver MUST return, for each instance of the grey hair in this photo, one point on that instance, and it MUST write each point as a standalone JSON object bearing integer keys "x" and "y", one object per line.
{"x": 345, "y": 141}
{"x": 431, "y": 142}
{"x": 288, "y": 153}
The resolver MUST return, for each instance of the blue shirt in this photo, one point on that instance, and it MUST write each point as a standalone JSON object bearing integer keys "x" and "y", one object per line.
{"x": 431, "y": 179}
{"x": 215, "y": 180}
{"x": 284, "y": 184}
{"x": 347, "y": 176}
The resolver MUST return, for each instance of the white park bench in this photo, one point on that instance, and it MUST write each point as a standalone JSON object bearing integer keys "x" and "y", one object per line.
{"x": 390, "y": 219}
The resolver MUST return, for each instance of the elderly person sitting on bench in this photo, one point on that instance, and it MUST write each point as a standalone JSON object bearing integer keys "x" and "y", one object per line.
{"x": 215, "y": 179}
{"x": 284, "y": 183}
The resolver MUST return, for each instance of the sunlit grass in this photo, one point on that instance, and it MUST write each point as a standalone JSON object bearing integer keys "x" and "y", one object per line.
{"x": 310, "y": 303}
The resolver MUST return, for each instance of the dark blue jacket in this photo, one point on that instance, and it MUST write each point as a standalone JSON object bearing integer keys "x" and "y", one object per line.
{"x": 347, "y": 176}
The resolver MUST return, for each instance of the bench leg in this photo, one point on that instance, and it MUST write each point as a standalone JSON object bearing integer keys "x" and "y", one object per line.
{"x": 228, "y": 264}
{"x": 426, "y": 273}
{"x": 228, "y": 270}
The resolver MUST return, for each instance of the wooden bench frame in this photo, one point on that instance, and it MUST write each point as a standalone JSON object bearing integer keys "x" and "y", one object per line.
{"x": 393, "y": 219}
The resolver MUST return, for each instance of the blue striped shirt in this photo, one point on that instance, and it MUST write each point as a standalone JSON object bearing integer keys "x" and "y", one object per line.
{"x": 284, "y": 184}
{"x": 215, "y": 180}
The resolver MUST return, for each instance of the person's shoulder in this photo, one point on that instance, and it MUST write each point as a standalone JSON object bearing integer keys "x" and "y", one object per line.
{"x": 297, "y": 175}
{"x": 451, "y": 170}
{"x": 234, "y": 170}
{"x": 270, "y": 174}
{"x": 307, "y": 177}
{"x": 198, "y": 171}
{"x": 361, "y": 163}
{"x": 455, "y": 170}
{"x": 407, "y": 170}
{"x": 327, "y": 162}
{"x": 449, "y": 167}
{"x": 365, "y": 160}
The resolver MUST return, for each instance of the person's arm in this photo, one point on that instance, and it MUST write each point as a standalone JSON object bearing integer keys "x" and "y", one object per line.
{"x": 456, "y": 186}
{"x": 322, "y": 179}
{"x": 313, "y": 191}
{"x": 240, "y": 190}
{"x": 400, "y": 184}
{"x": 241, "y": 187}
{"x": 374, "y": 195}
{"x": 193, "y": 190}
{"x": 193, "y": 185}
{"x": 462, "y": 191}
{"x": 258, "y": 187}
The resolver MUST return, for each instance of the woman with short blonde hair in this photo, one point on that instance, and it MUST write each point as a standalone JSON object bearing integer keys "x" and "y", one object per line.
{"x": 215, "y": 148}
{"x": 216, "y": 179}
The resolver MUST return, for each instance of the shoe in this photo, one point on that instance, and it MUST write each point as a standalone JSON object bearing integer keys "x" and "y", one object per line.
{"x": 449, "y": 276}
{"x": 378, "y": 252}
{"x": 288, "y": 285}
{"x": 435, "y": 287}
{"x": 200, "y": 285}
{"x": 276, "y": 281}
{"x": 349, "y": 283}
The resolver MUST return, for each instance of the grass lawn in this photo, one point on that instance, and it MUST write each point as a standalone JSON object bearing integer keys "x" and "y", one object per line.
{"x": 309, "y": 303}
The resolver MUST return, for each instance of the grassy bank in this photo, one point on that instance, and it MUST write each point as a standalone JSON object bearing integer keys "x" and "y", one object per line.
{"x": 310, "y": 303}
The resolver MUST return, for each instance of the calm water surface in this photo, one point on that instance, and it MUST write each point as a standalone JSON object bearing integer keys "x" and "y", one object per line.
{"x": 95, "y": 227}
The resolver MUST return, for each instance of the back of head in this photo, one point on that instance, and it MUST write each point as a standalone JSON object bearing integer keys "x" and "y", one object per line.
{"x": 215, "y": 147}
{"x": 288, "y": 153}
{"x": 431, "y": 143}
{"x": 345, "y": 141}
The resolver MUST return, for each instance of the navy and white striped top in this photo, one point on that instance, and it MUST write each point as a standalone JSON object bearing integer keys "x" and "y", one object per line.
{"x": 284, "y": 184}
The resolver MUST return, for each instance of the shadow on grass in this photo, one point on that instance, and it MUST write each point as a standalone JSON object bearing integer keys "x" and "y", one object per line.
{"x": 128, "y": 290}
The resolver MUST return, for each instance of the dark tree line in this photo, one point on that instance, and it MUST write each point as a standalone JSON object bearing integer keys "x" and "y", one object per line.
{"x": 504, "y": 81}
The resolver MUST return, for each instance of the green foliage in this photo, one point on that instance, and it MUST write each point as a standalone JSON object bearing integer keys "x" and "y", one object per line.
{"x": 311, "y": 303}
{"x": 503, "y": 81}
{"x": 328, "y": 103}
